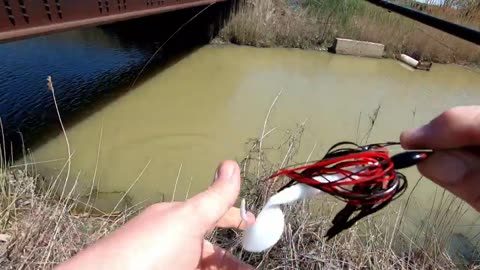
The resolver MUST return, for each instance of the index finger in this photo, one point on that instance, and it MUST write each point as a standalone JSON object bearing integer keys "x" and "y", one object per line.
{"x": 455, "y": 128}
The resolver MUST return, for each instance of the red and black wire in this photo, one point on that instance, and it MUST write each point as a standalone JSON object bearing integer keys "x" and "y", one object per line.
{"x": 366, "y": 178}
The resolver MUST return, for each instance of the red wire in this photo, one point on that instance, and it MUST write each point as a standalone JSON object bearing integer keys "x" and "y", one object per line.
{"x": 376, "y": 169}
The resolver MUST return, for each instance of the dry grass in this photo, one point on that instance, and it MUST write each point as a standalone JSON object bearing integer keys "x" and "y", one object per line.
{"x": 39, "y": 229}
{"x": 270, "y": 23}
{"x": 42, "y": 222}
{"x": 402, "y": 35}
{"x": 315, "y": 23}
{"x": 376, "y": 243}
{"x": 379, "y": 242}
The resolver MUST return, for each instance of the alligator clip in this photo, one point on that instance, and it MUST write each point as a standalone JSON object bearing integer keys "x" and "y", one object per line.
{"x": 409, "y": 158}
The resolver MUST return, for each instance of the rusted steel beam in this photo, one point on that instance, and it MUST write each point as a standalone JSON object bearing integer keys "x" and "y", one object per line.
{"x": 21, "y": 19}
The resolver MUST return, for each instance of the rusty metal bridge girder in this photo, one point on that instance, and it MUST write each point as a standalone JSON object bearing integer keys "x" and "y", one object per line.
{"x": 27, "y": 18}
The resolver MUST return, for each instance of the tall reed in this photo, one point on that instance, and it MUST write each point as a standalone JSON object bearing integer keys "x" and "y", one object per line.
{"x": 42, "y": 223}
{"x": 315, "y": 23}
{"x": 380, "y": 241}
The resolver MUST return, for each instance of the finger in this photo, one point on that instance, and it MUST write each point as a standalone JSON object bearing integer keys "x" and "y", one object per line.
{"x": 457, "y": 127}
{"x": 215, "y": 258}
{"x": 457, "y": 171}
{"x": 232, "y": 219}
{"x": 211, "y": 205}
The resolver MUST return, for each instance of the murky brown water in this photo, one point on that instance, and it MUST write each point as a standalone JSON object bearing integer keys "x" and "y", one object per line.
{"x": 203, "y": 109}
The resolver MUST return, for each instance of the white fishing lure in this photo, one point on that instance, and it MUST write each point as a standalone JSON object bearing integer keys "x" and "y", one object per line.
{"x": 270, "y": 222}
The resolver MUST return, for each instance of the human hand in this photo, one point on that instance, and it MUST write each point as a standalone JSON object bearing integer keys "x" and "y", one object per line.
{"x": 455, "y": 164}
{"x": 171, "y": 235}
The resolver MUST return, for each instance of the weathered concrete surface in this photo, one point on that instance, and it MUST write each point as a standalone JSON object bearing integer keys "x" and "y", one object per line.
{"x": 358, "y": 48}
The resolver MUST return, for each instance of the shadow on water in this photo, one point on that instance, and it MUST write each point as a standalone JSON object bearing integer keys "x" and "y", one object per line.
{"x": 90, "y": 68}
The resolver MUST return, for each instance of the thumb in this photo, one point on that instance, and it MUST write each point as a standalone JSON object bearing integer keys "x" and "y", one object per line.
{"x": 209, "y": 206}
{"x": 457, "y": 171}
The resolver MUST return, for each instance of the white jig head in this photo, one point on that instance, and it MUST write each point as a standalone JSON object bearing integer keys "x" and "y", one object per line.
{"x": 270, "y": 222}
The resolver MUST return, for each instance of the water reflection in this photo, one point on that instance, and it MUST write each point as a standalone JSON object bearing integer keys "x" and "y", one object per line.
{"x": 90, "y": 67}
{"x": 203, "y": 109}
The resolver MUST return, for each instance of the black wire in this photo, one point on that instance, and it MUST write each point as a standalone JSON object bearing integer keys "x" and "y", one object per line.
{"x": 343, "y": 220}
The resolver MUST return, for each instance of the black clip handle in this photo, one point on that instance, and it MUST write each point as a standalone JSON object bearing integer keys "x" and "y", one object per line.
{"x": 410, "y": 158}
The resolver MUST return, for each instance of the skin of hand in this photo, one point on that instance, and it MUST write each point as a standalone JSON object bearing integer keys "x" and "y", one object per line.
{"x": 172, "y": 235}
{"x": 454, "y": 136}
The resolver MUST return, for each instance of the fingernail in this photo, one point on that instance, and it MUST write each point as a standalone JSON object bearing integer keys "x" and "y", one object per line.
{"x": 225, "y": 171}
{"x": 445, "y": 168}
